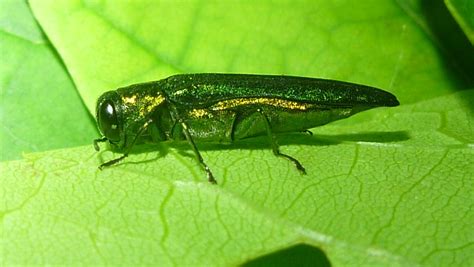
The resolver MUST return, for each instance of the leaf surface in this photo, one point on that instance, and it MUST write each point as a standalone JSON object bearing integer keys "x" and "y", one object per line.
{"x": 375, "y": 43}
{"x": 381, "y": 202}
{"x": 385, "y": 187}
{"x": 463, "y": 12}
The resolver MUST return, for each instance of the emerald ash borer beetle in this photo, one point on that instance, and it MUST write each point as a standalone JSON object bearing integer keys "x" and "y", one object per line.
{"x": 227, "y": 107}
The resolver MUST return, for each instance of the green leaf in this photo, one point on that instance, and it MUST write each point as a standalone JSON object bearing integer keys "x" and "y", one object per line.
{"x": 373, "y": 42}
{"x": 463, "y": 12}
{"x": 363, "y": 202}
{"x": 386, "y": 187}
{"x": 40, "y": 108}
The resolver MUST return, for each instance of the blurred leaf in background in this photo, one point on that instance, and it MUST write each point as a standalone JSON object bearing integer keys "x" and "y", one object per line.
{"x": 39, "y": 106}
{"x": 462, "y": 12}
{"x": 386, "y": 187}
{"x": 368, "y": 42}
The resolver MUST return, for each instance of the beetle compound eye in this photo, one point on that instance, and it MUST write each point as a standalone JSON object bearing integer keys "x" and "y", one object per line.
{"x": 108, "y": 121}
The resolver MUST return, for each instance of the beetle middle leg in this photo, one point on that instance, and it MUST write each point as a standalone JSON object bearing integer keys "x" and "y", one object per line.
{"x": 175, "y": 115}
{"x": 274, "y": 144}
{"x": 189, "y": 138}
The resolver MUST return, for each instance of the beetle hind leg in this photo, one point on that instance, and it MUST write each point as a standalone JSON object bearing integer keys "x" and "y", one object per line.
{"x": 275, "y": 148}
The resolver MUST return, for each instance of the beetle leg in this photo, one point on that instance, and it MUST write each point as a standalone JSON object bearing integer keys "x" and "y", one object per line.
{"x": 275, "y": 148}
{"x": 185, "y": 129}
{"x": 210, "y": 176}
{"x": 116, "y": 160}
{"x": 237, "y": 119}
{"x": 175, "y": 122}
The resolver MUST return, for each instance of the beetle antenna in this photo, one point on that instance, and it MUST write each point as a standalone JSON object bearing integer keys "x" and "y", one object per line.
{"x": 97, "y": 141}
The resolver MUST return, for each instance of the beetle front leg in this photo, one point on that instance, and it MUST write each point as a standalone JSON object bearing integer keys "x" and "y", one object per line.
{"x": 112, "y": 162}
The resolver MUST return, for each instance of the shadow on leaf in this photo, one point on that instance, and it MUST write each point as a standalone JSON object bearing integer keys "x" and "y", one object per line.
{"x": 299, "y": 255}
{"x": 262, "y": 142}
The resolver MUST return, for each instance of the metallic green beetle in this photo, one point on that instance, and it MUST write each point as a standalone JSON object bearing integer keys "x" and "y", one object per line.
{"x": 227, "y": 107}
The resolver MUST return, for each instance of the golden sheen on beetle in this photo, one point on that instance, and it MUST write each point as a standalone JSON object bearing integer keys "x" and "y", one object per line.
{"x": 223, "y": 108}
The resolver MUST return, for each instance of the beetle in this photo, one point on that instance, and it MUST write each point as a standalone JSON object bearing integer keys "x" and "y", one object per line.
{"x": 223, "y": 108}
